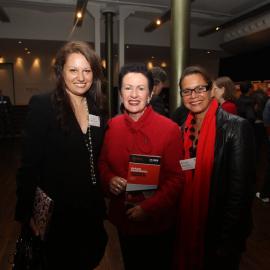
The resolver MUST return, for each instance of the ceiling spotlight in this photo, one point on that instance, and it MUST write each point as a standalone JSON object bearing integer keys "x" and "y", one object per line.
{"x": 20, "y": 42}
{"x": 158, "y": 22}
{"x": 163, "y": 64}
{"x": 79, "y": 12}
{"x": 149, "y": 65}
{"x": 79, "y": 15}
{"x": 217, "y": 28}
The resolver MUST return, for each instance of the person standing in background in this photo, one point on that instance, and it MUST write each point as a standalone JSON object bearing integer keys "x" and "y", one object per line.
{"x": 5, "y": 116}
{"x": 259, "y": 98}
{"x": 62, "y": 140}
{"x": 264, "y": 194}
{"x": 225, "y": 93}
{"x": 215, "y": 206}
{"x": 244, "y": 104}
{"x": 157, "y": 101}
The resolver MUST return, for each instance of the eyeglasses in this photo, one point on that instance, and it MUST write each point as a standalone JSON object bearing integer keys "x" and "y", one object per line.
{"x": 198, "y": 90}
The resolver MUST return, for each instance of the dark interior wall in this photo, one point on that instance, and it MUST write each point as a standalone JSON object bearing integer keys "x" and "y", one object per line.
{"x": 248, "y": 66}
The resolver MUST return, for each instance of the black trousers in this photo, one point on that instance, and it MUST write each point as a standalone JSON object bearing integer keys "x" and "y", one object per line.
{"x": 225, "y": 262}
{"x": 148, "y": 251}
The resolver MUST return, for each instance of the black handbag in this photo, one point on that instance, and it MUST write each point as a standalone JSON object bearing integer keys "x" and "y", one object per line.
{"x": 29, "y": 253}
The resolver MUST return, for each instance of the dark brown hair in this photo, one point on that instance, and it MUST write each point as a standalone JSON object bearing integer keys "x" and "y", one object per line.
{"x": 136, "y": 68}
{"x": 60, "y": 97}
{"x": 229, "y": 87}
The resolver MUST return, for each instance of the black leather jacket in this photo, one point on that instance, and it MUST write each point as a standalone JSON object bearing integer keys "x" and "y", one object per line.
{"x": 231, "y": 190}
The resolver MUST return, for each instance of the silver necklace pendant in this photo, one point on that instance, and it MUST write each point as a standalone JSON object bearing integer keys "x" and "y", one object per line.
{"x": 90, "y": 148}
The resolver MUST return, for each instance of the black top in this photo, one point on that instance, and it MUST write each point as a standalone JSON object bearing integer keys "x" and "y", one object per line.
{"x": 158, "y": 105}
{"x": 179, "y": 116}
{"x": 58, "y": 162}
{"x": 232, "y": 189}
{"x": 245, "y": 108}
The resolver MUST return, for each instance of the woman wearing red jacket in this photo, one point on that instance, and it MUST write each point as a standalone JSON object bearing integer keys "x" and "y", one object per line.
{"x": 145, "y": 219}
{"x": 225, "y": 93}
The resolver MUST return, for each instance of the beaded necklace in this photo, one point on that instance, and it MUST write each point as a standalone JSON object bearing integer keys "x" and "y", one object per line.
{"x": 88, "y": 143}
{"x": 193, "y": 148}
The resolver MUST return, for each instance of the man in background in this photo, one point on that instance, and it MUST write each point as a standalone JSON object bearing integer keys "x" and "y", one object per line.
{"x": 157, "y": 102}
{"x": 5, "y": 115}
{"x": 245, "y": 104}
{"x": 264, "y": 194}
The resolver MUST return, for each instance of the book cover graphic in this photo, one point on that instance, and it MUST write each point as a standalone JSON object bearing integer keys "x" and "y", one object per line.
{"x": 42, "y": 211}
{"x": 143, "y": 172}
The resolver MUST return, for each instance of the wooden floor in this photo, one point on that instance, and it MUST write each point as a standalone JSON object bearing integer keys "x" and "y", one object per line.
{"x": 257, "y": 256}
{"x": 9, "y": 229}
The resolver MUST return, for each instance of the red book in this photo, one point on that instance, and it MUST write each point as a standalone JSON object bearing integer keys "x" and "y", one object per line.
{"x": 143, "y": 172}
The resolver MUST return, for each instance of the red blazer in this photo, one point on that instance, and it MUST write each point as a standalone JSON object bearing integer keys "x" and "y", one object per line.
{"x": 152, "y": 134}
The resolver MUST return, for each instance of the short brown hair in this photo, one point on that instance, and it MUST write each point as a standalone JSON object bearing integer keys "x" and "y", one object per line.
{"x": 229, "y": 87}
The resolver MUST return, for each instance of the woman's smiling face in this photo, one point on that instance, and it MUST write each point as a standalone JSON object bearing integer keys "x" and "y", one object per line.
{"x": 196, "y": 102}
{"x": 77, "y": 74}
{"x": 135, "y": 94}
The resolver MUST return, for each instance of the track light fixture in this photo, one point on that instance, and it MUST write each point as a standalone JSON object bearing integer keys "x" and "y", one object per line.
{"x": 79, "y": 12}
{"x": 256, "y": 12}
{"x": 3, "y": 16}
{"x": 158, "y": 22}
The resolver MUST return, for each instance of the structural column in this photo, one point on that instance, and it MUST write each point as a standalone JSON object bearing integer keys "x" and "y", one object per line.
{"x": 109, "y": 13}
{"x": 94, "y": 10}
{"x": 124, "y": 12}
{"x": 180, "y": 34}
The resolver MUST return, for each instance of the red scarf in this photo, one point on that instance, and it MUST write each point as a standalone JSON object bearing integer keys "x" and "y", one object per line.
{"x": 194, "y": 202}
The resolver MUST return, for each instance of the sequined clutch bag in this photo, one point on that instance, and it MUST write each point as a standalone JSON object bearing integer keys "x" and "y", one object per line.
{"x": 42, "y": 212}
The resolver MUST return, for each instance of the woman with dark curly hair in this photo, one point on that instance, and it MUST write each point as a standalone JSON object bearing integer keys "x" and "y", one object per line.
{"x": 63, "y": 137}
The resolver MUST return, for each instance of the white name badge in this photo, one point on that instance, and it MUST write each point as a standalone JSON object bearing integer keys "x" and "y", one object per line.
{"x": 94, "y": 120}
{"x": 188, "y": 164}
